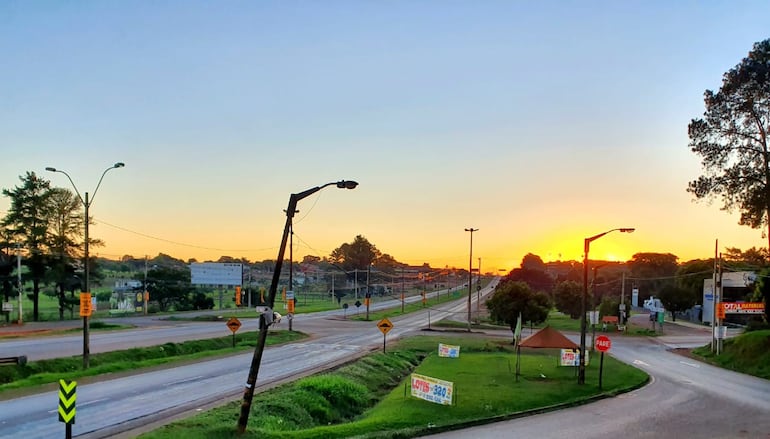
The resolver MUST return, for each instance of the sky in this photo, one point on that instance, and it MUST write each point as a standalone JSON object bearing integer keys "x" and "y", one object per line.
{"x": 537, "y": 123}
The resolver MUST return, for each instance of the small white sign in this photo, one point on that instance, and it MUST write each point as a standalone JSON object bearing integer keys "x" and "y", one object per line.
{"x": 7, "y": 306}
{"x": 571, "y": 357}
{"x": 448, "y": 350}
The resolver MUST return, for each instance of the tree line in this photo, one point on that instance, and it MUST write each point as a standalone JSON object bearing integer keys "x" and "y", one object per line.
{"x": 536, "y": 287}
{"x": 46, "y": 224}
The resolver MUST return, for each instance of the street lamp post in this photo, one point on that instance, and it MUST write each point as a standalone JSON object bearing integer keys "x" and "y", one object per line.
{"x": 248, "y": 393}
{"x": 586, "y": 247}
{"x": 470, "y": 275}
{"x": 86, "y": 205}
{"x": 291, "y": 306}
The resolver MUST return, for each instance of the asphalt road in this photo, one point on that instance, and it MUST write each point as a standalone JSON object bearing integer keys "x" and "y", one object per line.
{"x": 685, "y": 399}
{"x": 123, "y": 406}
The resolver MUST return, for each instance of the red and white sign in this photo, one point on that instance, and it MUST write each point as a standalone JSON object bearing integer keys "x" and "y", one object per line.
{"x": 741, "y": 308}
{"x": 603, "y": 343}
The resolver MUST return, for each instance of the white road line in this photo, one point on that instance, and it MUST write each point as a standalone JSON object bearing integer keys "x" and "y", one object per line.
{"x": 640, "y": 362}
{"x": 173, "y": 383}
{"x": 697, "y": 366}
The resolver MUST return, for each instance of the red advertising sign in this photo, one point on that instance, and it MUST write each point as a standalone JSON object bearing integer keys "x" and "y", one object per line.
{"x": 603, "y": 343}
{"x": 742, "y": 307}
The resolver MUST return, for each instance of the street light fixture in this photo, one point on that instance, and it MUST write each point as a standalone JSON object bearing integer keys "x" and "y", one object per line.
{"x": 470, "y": 275}
{"x": 86, "y": 205}
{"x": 256, "y": 360}
{"x": 586, "y": 247}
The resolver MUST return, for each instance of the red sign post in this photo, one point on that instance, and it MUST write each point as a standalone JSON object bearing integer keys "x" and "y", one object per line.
{"x": 603, "y": 344}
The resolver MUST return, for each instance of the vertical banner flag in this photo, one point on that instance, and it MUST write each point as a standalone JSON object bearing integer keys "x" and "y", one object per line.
{"x": 517, "y": 332}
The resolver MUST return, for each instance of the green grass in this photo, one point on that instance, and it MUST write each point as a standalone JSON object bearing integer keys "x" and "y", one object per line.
{"x": 747, "y": 353}
{"x": 360, "y": 314}
{"x": 370, "y": 397}
{"x": 50, "y": 371}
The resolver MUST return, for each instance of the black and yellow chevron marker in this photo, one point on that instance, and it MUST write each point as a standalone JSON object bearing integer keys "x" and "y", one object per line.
{"x": 68, "y": 394}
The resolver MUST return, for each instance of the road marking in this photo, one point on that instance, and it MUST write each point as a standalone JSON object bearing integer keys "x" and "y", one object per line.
{"x": 640, "y": 362}
{"x": 173, "y": 383}
{"x": 82, "y": 404}
{"x": 697, "y": 366}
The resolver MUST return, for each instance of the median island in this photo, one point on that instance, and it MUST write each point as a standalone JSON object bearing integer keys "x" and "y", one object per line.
{"x": 373, "y": 397}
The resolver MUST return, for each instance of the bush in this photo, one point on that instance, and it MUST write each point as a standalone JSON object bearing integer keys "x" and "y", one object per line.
{"x": 757, "y": 325}
{"x": 345, "y": 397}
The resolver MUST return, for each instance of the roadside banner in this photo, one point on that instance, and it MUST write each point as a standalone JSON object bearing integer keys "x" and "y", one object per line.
{"x": 448, "y": 350}
{"x": 432, "y": 389}
{"x": 571, "y": 357}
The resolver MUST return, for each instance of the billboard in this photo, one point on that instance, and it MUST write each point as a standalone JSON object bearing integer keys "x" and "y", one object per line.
{"x": 216, "y": 273}
{"x": 448, "y": 350}
{"x": 571, "y": 357}
{"x": 432, "y": 389}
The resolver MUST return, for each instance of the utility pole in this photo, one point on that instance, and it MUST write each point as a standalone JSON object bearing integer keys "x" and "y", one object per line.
{"x": 478, "y": 292}
{"x": 714, "y": 299}
{"x": 403, "y": 289}
{"x": 146, "y": 293}
{"x": 21, "y": 286}
{"x": 368, "y": 295}
{"x": 470, "y": 276}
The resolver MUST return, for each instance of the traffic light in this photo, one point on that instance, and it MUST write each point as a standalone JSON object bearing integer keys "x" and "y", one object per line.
{"x": 237, "y": 296}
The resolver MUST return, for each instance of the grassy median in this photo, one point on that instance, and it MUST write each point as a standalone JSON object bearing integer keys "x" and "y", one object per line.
{"x": 42, "y": 372}
{"x": 370, "y": 398}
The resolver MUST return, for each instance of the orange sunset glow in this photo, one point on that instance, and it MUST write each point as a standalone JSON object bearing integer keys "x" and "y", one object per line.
{"x": 530, "y": 132}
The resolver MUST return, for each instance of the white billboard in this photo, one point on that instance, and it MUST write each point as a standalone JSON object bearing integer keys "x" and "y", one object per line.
{"x": 216, "y": 273}
{"x": 432, "y": 389}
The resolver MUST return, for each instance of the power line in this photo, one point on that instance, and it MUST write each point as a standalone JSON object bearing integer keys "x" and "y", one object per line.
{"x": 180, "y": 243}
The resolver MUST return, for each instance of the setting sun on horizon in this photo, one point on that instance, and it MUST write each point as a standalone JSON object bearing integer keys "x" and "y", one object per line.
{"x": 537, "y": 124}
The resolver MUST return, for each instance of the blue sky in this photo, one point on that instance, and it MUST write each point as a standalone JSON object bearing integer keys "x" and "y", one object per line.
{"x": 539, "y": 123}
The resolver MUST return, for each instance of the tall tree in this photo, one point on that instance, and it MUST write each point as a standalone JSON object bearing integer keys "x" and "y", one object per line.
{"x": 691, "y": 274}
{"x": 66, "y": 232}
{"x": 567, "y": 298}
{"x": 731, "y": 140}
{"x": 533, "y": 273}
{"x": 676, "y": 299}
{"x": 652, "y": 271}
{"x": 357, "y": 255}
{"x": 169, "y": 287}
{"x": 27, "y": 222}
{"x": 512, "y": 298}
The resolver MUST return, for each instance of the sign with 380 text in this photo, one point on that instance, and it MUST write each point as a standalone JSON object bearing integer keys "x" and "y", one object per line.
{"x": 432, "y": 389}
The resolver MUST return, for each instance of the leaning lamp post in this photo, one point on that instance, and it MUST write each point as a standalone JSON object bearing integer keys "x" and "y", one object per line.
{"x": 586, "y": 245}
{"x": 264, "y": 320}
{"x": 86, "y": 204}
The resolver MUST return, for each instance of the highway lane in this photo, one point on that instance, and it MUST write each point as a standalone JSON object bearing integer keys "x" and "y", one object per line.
{"x": 686, "y": 399}
{"x": 152, "y": 331}
{"x": 113, "y": 406}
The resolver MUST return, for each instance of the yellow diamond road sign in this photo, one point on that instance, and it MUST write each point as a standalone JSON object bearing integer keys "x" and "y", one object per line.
{"x": 385, "y": 325}
{"x": 67, "y": 397}
{"x": 234, "y": 324}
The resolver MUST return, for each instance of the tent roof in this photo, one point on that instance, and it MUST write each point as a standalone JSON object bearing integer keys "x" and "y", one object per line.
{"x": 548, "y": 338}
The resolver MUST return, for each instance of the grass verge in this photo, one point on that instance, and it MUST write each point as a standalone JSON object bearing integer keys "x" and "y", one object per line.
{"x": 360, "y": 314}
{"x": 370, "y": 397}
{"x": 747, "y": 353}
{"x": 43, "y": 372}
